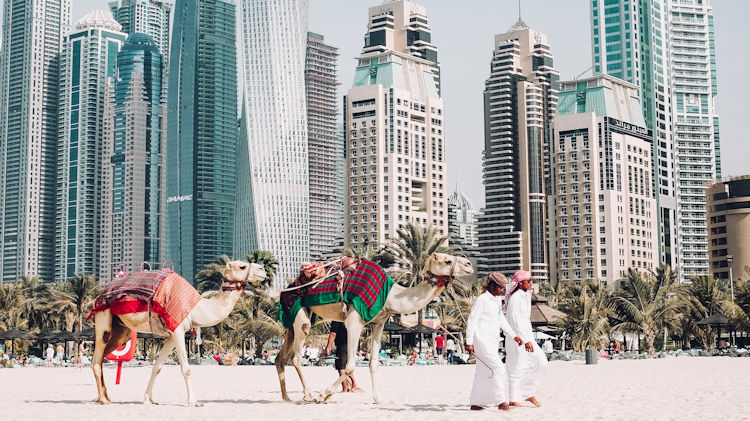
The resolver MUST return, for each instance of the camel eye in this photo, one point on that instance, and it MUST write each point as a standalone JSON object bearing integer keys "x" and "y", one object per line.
{"x": 243, "y": 267}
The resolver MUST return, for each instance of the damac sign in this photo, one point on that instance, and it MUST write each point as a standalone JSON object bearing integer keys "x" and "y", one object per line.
{"x": 629, "y": 128}
{"x": 179, "y": 198}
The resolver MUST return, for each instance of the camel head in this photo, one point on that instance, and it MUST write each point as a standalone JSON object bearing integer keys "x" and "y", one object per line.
{"x": 240, "y": 271}
{"x": 446, "y": 266}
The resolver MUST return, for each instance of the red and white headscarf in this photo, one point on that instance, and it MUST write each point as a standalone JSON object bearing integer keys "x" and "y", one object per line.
{"x": 520, "y": 275}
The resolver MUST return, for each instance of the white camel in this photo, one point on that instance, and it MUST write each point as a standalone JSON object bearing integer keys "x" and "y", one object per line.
{"x": 441, "y": 269}
{"x": 114, "y": 330}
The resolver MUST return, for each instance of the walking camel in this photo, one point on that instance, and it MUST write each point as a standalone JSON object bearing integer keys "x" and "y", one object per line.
{"x": 441, "y": 269}
{"x": 113, "y": 330}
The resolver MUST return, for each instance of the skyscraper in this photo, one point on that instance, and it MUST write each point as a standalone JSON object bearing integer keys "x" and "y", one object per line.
{"x": 201, "y": 134}
{"x": 150, "y": 17}
{"x": 602, "y": 214}
{"x": 31, "y": 44}
{"x": 133, "y": 186}
{"x": 666, "y": 47}
{"x": 273, "y": 206}
{"x": 462, "y": 222}
{"x": 396, "y": 169}
{"x": 325, "y": 150}
{"x": 87, "y": 62}
{"x": 520, "y": 97}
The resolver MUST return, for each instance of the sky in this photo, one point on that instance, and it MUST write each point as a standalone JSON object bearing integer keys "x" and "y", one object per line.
{"x": 463, "y": 33}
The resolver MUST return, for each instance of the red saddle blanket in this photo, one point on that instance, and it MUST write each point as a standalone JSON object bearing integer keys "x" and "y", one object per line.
{"x": 169, "y": 295}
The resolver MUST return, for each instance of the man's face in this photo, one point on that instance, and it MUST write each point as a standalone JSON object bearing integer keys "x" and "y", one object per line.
{"x": 525, "y": 285}
{"x": 496, "y": 289}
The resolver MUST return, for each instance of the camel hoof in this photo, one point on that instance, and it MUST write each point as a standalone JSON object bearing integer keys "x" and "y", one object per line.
{"x": 103, "y": 401}
{"x": 308, "y": 398}
{"x": 196, "y": 404}
{"x": 323, "y": 397}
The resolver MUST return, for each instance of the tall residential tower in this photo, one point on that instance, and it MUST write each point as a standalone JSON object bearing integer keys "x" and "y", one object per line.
{"x": 666, "y": 48}
{"x": 87, "y": 64}
{"x": 29, "y": 90}
{"x": 325, "y": 150}
{"x": 396, "y": 169}
{"x": 520, "y": 97}
{"x": 201, "y": 134}
{"x": 150, "y": 17}
{"x": 133, "y": 185}
{"x": 273, "y": 205}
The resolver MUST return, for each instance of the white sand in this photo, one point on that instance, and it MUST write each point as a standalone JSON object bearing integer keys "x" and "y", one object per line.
{"x": 672, "y": 388}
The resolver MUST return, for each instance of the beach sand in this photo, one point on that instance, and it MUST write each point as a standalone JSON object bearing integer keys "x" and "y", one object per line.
{"x": 676, "y": 388}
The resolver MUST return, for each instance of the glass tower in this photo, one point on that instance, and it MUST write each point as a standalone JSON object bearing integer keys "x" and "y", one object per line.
{"x": 520, "y": 98}
{"x": 31, "y": 43}
{"x": 201, "y": 134}
{"x": 273, "y": 206}
{"x": 87, "y": 62}
{"x": 133, "y": 161}
{"x": 666, "y": 47}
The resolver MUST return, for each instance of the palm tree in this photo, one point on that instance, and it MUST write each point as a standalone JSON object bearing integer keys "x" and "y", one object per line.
{"x": 266, "y": 259}
{"x": 704, "y": 297}
{"x": 257, "y": 317}
{"x": 739, "y": 310}
{"x": 35, "y": 307}
{"x": 210, "y": 277}
{"x": 74, "y": 297}
{"x": 587, "y": 314}
{"x": 648, "y": 303}
{"x": 412, "y": 249}
{"x": 11, "y": 305}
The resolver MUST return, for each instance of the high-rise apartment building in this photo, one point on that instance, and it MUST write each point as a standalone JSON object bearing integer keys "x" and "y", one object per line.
{"x": 396, "y": 169}
{"x": 667, "y": 49}
{"x": 87, "y": 63}
{"x": 133, "y": 185}
{"x": 150, "y": 17}
{"x": 728, "y": 205}
{"x": 273, "y": 206}
{"x": 325, "y": 150}
{"x": 31, "y": 44}
{"x": 520, "y": 97}
{"x": 202, "y": 134}
{"x": 602, "y": 207}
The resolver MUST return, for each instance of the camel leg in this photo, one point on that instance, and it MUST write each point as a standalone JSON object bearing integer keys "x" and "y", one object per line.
{"x": 301, "y": 331}
{"x": 179, "y": 339}
{"x": 377, "y": 332}
{"x": 164, "y": 352}
{"x": 354, "y": 325}
{"x": 281, "y": 359}
{"x": 102, "y": 327}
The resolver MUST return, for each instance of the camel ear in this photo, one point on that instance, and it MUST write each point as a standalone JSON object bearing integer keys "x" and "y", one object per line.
{"x": 435, "y": 257}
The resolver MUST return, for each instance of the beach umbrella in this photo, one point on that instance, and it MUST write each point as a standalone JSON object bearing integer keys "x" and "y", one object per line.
{"x": 392, "y": 327}
{"x": 14, "y": 334}
{"x": 85, "y": 334}
{"x": 421, "y": 330}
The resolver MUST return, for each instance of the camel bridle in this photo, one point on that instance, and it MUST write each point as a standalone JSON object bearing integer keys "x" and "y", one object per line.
{"x": 238, "y": 285}
{"x": 443, "y": 281}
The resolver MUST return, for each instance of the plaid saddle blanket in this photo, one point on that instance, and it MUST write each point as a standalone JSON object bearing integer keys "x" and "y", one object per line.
{"x": 365, "y": 286}
{"x": 168, "y": 295}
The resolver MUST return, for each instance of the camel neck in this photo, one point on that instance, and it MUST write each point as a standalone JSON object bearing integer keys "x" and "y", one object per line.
{"x": 210, "y": 311}
{"x": 408, "y": 300}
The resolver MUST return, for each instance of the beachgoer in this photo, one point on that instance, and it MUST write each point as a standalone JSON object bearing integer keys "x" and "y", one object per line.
{"x": 547, "y": 347}
{"x": 265, "y": 355}
{"x": 412, "y": 358}
{"x": 338, "y": 338}
{"x": 60, "y": 357}
{"x": 50, "y": 355}
{"x": 525, "y": 367}
{"x": 450, "y": 349}
{"x": 439, "y": 344}
{"x": 482, "y": 341}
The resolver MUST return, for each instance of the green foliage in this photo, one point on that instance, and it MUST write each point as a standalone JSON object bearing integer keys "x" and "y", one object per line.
{"x": 210, "y": 277}
{"x": 587, "y": 312}
{"x": 266, "y": 259}
{"x": 412, "y": 249}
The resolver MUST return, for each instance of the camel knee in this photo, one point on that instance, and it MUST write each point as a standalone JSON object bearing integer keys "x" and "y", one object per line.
{"x": 186, "y": 372}
{"x": 306, "y": 328}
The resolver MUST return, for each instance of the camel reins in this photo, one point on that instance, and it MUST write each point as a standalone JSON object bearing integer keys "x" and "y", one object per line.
{"x": 442, "y": 281}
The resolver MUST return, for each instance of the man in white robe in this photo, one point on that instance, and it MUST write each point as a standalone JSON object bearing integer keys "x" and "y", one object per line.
{"x": 526, "y": 365}
{"x": 483, "y": 340}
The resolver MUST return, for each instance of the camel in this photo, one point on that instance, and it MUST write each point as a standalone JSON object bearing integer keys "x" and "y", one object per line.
{"x": 113, "y": 331}
{"x": 442, "y": 268}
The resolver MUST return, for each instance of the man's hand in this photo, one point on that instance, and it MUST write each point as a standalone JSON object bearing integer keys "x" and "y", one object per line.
{"x": 470, "y": 349}
{"x": 326, "y": 351}
{"x": 529, "y": 347}
{"x": 518, "y": 341}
